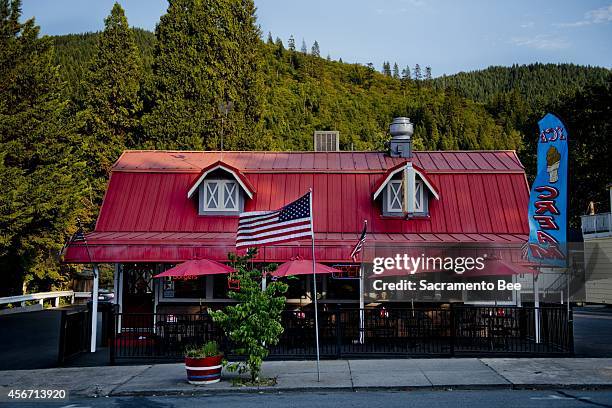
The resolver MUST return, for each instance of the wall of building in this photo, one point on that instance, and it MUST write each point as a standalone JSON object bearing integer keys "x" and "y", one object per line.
{"x": 598, "y": 265}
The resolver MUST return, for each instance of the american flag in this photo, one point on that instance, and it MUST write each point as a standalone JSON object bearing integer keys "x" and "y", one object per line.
{"x": 290, "y": 223}
{"x": 359, "y": 245}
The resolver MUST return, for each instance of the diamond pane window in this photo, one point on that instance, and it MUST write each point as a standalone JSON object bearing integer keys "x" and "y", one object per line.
{"x": 220, "y": 195}
{"x": 212, "y": 192}
{"x": 395, "y": 196}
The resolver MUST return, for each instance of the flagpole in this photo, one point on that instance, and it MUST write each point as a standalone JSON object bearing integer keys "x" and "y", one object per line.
{"x": 314, "y": 279}
{"x": 362, "y": 294}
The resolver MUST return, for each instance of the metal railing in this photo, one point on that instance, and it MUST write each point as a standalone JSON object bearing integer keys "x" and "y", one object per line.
{"x": 42, "y": 296}
{"x": 597, "y": 224}
{"x": 390, "y": 332}
{"x": 75, "y": 333}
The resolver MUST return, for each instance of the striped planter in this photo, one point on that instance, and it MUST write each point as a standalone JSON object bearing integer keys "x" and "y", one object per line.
{"x": 205, "y": 370}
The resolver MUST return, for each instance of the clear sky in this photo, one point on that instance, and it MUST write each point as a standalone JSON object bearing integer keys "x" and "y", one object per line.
{"x": 448, "y": 35}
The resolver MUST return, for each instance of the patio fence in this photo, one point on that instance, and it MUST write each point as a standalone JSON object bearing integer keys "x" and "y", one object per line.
{"x": 390, "y": 332}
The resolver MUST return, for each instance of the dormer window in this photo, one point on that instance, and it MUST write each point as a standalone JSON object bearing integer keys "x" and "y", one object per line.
{"x": 402, "y": 181}
{"x": 220, "y": 195}
{"x": 395, "y": 198}
{"x": 221, "y": 190}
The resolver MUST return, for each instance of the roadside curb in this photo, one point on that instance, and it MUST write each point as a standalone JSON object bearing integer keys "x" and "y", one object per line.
{"x": 274, "y": 390}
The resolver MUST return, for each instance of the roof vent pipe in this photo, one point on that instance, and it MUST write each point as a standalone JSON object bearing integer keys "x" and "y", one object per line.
{"x": 401, "y": 137}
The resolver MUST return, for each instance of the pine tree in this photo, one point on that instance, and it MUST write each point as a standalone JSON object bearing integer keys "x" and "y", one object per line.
{"x": 386, "y": 68}
{"x": 270, "y": 40}
{"x": 396, "y": 73}
{"x": 304, "y": 48}
{"x": 112, "y": 105}
{"x": 40, "y": 170}
{"x": 417, "y": 73}
{"x": 329, "y": 57}
{"x": 208, "y": 53}
{"x": 315, "y": 51}
{"x": 406, "y": 74}
{"x": 428, "y": 73}
{"x": 291, "y": 43}
{"x": 279, "y": 44}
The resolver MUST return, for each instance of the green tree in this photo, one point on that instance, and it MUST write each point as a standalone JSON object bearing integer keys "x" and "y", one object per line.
{"x": 112, "y": 105}
{"x": 396, "y": 73}
{"x": 254, "y": 323}
{"x": 39, "y": 166}
{"x": 418, "y": 75}
{"x": 208, "y": 53}
{"x": 386, "y": 68}
{"x": 406, "y": 73}
{"x": 304, "y": 49}
{"x": 291, "y": 43}
{"x": 587, "y": 118}
{"x": 315, "y": 51}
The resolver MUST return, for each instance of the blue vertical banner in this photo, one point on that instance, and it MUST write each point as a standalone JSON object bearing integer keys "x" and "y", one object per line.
{"x": 547, "y": 244}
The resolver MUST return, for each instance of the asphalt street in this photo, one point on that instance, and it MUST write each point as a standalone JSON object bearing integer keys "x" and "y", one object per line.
{"x": 438, "y": 399}
{"x": 592, "y": 333}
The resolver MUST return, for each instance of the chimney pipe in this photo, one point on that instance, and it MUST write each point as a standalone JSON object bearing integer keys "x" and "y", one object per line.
{"x": 401, "y": 137}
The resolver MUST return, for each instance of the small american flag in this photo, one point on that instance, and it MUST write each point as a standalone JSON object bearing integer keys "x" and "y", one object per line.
{"x": 359, "y": 245}
{"x": 290, "y": 223}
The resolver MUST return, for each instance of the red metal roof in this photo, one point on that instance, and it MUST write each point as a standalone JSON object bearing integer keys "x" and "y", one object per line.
{"x": 249, "y": 162}
{"x": 483, "y": 197}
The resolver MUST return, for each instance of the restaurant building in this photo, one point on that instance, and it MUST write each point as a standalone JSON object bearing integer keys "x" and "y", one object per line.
{"x": 167, "y": 207}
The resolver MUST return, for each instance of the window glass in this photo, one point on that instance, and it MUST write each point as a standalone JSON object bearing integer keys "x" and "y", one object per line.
{"x": 395, "y": 196}
{"x": 229, "y": 192}
{"x": 220, "y": 195}
{"x": 220, "y": 288}
{"x": 212, "y": 191}
{"x": 190, "y": 288}
{"x": 418, "y": 197}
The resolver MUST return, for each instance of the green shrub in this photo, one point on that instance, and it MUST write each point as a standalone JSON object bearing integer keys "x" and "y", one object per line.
{"x": 254, "y": 323}
{"x": 209, "y": 349}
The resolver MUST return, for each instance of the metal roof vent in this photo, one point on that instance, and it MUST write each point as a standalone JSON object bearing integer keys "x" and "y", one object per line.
{"x": 326, "y": 141}
{"x": 401, "y": 137}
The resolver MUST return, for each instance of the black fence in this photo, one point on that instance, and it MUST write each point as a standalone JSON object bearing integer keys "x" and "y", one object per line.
{"x": 343, "y": 333}
{"x": 75, "y": 334}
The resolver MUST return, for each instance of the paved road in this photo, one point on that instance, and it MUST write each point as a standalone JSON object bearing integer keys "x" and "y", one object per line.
{"x": 593, "y": 332}
{"x": 29, "y": 340}
{"x": 438, "y": 399}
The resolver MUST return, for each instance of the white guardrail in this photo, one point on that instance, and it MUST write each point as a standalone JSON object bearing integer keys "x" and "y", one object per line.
{"x": 41, "y": 296}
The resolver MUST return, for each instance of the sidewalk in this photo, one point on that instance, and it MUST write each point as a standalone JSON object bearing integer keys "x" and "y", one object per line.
{"x": 349, "y": 375}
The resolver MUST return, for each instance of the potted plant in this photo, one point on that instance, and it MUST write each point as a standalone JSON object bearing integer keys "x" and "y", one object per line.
{"x": 204, "y": 363}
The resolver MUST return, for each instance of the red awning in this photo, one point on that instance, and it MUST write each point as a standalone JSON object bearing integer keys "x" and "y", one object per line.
{"x": 199, "y": 267}
{"x": 302, "y": 267}
{"x": 175, "y": 247}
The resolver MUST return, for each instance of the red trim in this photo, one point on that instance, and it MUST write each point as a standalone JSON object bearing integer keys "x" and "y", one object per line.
{"x": 382, "y": 181}
{"x": 243, "y": 178}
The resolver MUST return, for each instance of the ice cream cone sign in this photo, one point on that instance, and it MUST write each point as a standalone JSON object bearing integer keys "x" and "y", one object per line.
{"x": 553, "y": 158}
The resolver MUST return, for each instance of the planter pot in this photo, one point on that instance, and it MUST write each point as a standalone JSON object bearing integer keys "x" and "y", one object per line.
{"x": 206, "y": 370}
